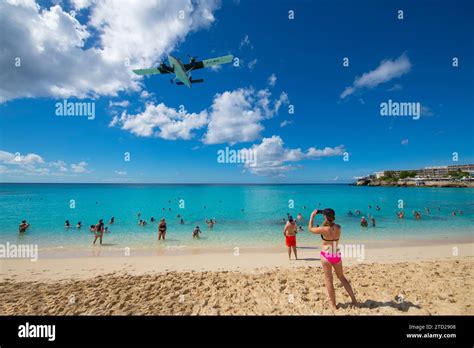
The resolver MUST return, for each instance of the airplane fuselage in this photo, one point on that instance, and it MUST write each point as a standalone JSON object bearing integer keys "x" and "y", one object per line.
{"x": 179, "y": 70}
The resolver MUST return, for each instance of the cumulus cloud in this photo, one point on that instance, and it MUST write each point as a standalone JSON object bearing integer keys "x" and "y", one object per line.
{"x": 80, "y": 167}
{"x": 252, "y": 64}
{"x": 404, "y": 142}
{"x": 161, "y": 121}
{"x": 236, "y": 116}
{"x": 386, "y": 71}
{"x": 122, "y": 104}
{"x": 274, "y": 160}
{"x": 285, "y": 123}
{"x": 44, "y": 51}
{"x": 18, "y": 165}
{"x": 120, "y": 172}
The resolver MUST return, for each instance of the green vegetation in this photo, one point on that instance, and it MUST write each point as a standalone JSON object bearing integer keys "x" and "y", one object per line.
{"x": 458, "y": 174}
{"x": 407, "y": 174}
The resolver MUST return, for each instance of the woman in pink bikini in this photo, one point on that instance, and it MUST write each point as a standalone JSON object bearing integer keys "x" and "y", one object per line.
{"x": 330, "y": 255}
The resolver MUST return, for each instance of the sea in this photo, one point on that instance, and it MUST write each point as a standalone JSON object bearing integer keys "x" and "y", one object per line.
{"x": 250, "y": 216}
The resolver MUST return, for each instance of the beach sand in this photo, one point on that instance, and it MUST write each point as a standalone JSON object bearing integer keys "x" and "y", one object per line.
{"x": 419, "y": 280}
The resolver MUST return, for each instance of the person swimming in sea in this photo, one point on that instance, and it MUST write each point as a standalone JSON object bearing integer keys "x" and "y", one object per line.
{"x": 401, "y": 214}
{"x": 196, "y": 232}
{"x": 112, "y": 220}
{"x": 152, "y": 219}
{"x": 350, "y": 213}
{"x": 140, "y": 222}
{"x": 67, "y": 224}
{"x": 299, "y": 217}
{"x": 210, "y": 223}
{"x": 372, "y": 219}
{"x": 363, "y": 222}
{"x": 377, "y": 208}
{"x": 79, "y": 225}
{"x": 427, "y": 210}
{"x": 417, "y": 215}
{"x": 23, "y": 227}
{"x": 92, "y": 228}
{"x": 181, "y": 221}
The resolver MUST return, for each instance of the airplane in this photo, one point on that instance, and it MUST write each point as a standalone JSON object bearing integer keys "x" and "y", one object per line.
{"x": 183, "y": 71}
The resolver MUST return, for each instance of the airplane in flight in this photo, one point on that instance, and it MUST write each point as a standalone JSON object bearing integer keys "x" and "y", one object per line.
{"x": 182, "y": 71}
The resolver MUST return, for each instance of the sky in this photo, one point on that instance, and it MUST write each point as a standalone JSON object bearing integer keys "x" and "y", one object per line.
{"x": 304, "y": 91}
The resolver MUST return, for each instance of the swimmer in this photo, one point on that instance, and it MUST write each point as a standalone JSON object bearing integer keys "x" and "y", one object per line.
{"x": 67, "y": 224}
{"x": 196, "y": 232}
{"x": 79, "y": 225}
{"x": 140, "y": 222}
{"x": 417, "y": 215}
{"x": 460, "y": 212}
{"x": 106, "y": 230}
{"x": 152, "y": 219}
{"x": 181, "y": 221}
{"x": 23, "y": 227}
{"x": 349, "y": 213}
{"x": 363, "y": 222}
{"x": 453, "y": 213}
{"x": 401, "y": 215}
{"x": 178, "y": 216}
{"x": 139, "y": 215}
{"x": 92, "y": 228}
{"x": 377, "y": 208}
{"x": 300, "y": 229}
{"x": 427, "y": 210}
{"x": 372, "y": 219}
{"x": 299, "y": 216}
{"x": 369, "y": 206}
{"x": 112, "y": 220}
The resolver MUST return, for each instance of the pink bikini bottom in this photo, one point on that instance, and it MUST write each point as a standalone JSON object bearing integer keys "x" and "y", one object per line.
{"x": 332, "y": 257}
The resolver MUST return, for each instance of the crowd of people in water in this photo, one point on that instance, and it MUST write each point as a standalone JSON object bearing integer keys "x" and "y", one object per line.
{"x": 330, "y": 232}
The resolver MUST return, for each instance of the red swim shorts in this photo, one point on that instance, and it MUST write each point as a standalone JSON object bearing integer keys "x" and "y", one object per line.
{"x": 290, "y": 241}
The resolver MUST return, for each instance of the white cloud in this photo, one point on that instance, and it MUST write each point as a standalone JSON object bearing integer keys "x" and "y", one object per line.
{"x": 18, "y": 165}
{"x": 326, "y": 152}
{"x": 386, "y": 71}
{"x": 285, "y": 123}
{"x": 50, "y": 43}
{"x": 245, "y": 42}
{"x": 236, "y": 116}
{"x": 120, "y": 172}
{"x": 161, "y": 121}
{"x": 273, "y": 159}
{"x": 272, "y": 79}
{"x": 252, "y": 64}
{"x": 81, "y": 4}
{"x": 404, "y": 142}
{"x": 79, "y": 167}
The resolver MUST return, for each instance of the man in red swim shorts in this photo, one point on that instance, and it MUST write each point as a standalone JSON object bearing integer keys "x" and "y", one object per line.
{"x": 290, "y": 236}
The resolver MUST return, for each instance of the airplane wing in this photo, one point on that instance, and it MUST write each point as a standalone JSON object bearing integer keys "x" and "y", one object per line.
{"x": 208, "y": 62}
{"x": 151, "y": 71}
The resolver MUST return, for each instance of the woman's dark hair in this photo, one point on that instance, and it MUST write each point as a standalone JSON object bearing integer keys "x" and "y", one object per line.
{"x": 330, "y": 215}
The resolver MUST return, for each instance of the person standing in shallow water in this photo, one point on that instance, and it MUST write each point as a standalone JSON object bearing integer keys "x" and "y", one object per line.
{"x": 330, "y": 254}
{"x": 289, "y": 232}
{"x": 162, "y": 229}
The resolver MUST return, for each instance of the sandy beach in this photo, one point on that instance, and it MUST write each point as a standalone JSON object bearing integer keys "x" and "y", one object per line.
{"x": 416, "y": 280}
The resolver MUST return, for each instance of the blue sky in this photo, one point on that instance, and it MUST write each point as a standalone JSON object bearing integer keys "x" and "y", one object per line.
{"x": 79, "y": 57}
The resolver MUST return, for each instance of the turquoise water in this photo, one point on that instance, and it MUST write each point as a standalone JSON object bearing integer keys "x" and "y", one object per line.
{"x": 47, "y": 206}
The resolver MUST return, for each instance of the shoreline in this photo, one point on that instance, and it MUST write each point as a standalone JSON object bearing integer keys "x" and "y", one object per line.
{"x": 53, "y": 269}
